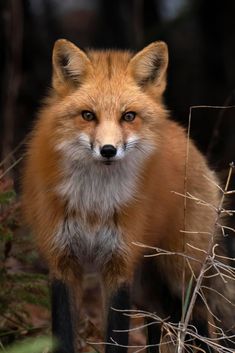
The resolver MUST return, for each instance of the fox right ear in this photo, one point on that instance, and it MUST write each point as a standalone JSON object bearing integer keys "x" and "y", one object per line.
{"x": 70, "y": 65}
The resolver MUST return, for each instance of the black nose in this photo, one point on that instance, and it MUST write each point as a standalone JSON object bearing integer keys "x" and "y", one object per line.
{"x": 108, "y": 151}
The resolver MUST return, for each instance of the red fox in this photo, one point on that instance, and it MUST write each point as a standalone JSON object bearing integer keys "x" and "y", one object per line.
{"x": 103, "y": 171}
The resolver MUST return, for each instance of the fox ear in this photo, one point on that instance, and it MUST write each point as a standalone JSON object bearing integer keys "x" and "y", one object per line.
{"x": 70, "y": 65}
{"x": 148, "y": 66}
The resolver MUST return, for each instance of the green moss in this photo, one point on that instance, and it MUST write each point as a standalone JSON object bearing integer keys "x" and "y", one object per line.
{"x": 28, "y": 277}
{"x": 32, "y": 345}
{"x": 25, "y": 287}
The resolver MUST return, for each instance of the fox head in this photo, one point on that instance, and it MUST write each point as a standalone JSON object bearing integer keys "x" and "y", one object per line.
{"x": 108, "y": 104}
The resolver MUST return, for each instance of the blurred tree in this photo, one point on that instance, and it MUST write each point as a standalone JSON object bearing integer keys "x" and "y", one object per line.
{"x": 200, "y": 35}
{"x": 13, "y": 30}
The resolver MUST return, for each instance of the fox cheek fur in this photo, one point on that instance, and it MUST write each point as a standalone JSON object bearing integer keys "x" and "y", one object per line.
{"x": 87, "y": 144}
{"x": 103, "y": 169}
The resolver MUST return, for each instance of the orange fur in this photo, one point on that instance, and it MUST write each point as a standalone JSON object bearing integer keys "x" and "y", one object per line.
{"x": 110, "y": 83}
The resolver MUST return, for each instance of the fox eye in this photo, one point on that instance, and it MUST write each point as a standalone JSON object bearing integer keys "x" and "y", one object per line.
{"x": 129, "y": 116}
{"x": 88, "y": 116}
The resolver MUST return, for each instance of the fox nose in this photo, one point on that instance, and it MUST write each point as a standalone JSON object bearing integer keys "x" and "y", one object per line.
{"x": 108, "y": 151}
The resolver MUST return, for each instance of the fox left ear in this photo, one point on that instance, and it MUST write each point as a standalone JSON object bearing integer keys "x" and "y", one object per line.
{"x": 148, "y": 67}
{"x": 70, "y": 66}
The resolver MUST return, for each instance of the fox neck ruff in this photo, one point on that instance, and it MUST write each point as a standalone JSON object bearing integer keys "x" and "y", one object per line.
{"x": 98, "y": 188}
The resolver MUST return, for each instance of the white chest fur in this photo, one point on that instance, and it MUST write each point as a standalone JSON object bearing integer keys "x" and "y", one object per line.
{"x": 90, "y": 187}
{"x": 90, "y": 245}
{"x": 98, "y": 188}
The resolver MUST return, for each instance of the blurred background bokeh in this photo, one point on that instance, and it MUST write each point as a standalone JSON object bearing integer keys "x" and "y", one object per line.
{"x": 201, "y": 38}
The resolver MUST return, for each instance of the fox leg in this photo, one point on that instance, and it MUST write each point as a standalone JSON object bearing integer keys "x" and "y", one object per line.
{"x": 117, "y": 320}
{"x": 62, "y": 324}
{"x": 153, "y": 336}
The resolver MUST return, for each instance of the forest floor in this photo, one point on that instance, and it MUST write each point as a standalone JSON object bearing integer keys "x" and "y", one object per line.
{"x": 24, "y": 290}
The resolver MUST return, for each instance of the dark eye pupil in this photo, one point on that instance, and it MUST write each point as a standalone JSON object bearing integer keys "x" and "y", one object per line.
{"x": 130, "y": 116}
{"x": 88, "y": 115}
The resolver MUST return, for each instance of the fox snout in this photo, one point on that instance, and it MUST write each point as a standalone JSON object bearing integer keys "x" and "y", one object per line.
{"x": 108, "y": 151}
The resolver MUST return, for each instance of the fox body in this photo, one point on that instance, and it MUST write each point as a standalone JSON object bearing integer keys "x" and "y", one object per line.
{"x": 104, "y": 170}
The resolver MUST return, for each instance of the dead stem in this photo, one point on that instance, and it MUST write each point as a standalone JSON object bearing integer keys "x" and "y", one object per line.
{"x": 184, "y": 325}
